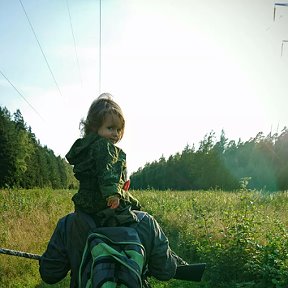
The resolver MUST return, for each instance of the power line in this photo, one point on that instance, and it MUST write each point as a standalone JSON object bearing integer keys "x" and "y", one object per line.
{"x": 72, "y": 31}
{"x": 40, "y": 47}
{"x": 20, "y": 94}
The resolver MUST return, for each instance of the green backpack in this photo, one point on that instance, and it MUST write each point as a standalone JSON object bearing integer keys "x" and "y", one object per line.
{"x": 113, "y": 257}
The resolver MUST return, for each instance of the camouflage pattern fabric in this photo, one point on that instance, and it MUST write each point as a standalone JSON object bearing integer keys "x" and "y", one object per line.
{"x": 101, "y": 170}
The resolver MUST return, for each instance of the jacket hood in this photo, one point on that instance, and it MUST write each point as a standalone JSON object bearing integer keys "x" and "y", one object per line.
{"x": 79, "y": 148}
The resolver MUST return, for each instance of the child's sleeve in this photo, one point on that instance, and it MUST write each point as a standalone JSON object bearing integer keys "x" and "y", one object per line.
{"x": 110, "y": 162}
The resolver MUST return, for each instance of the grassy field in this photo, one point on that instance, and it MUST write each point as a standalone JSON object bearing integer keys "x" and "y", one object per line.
{"x": 242, "y": 236}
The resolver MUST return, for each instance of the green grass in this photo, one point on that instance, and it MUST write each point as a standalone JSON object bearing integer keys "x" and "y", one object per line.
{"x": 27, "y": 220}
{"x": 242, "y": 236}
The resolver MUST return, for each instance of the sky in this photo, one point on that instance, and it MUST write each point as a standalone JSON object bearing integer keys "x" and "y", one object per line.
{"x": 179, "y": 69}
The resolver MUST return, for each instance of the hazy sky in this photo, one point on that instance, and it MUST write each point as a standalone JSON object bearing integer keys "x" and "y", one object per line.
{"x": 179, "y": 69}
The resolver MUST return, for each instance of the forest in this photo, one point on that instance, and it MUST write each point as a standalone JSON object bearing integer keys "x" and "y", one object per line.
{"x": 260, "y": 163}
{"x": 24, "y": 162}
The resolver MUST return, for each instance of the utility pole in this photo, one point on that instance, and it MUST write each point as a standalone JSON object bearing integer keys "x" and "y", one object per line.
{"x": 274, "y": 15}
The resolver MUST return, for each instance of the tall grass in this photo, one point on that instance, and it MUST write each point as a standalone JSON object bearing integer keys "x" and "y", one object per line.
{"x": 241, "y": 236}
{"x": 27, "y": 219}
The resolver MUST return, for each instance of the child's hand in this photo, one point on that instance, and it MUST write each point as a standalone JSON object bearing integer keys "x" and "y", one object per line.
{"x": 113, "y": 201}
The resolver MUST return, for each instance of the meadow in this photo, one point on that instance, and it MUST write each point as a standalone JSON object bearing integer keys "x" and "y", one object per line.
{"x": 242, "y": 236}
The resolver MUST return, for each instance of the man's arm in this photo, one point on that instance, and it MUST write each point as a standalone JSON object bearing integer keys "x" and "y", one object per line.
{"x": 161, "y": 263}
{"x": 54, "y": 263}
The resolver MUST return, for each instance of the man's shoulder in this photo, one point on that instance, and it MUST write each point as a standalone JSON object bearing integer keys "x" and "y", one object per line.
{"x": 66, "y": 221}
{"x": 145, "y": 221}
{"x": 141, "y": 215}
{"x": 70, "y": 220}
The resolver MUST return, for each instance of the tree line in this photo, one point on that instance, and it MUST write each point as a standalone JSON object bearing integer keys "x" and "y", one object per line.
{"x": 259, "y": 163}
{"x": 24, "y": 162}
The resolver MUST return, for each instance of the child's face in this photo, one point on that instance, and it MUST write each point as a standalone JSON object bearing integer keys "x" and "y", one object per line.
{"x": 111, "y": 128}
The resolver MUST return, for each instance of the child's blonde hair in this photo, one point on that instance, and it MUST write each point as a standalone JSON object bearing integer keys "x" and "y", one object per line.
{"x": 99, "y": 108}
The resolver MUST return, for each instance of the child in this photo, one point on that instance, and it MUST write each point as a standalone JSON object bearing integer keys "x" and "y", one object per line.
{"x": 99, "y": 165}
